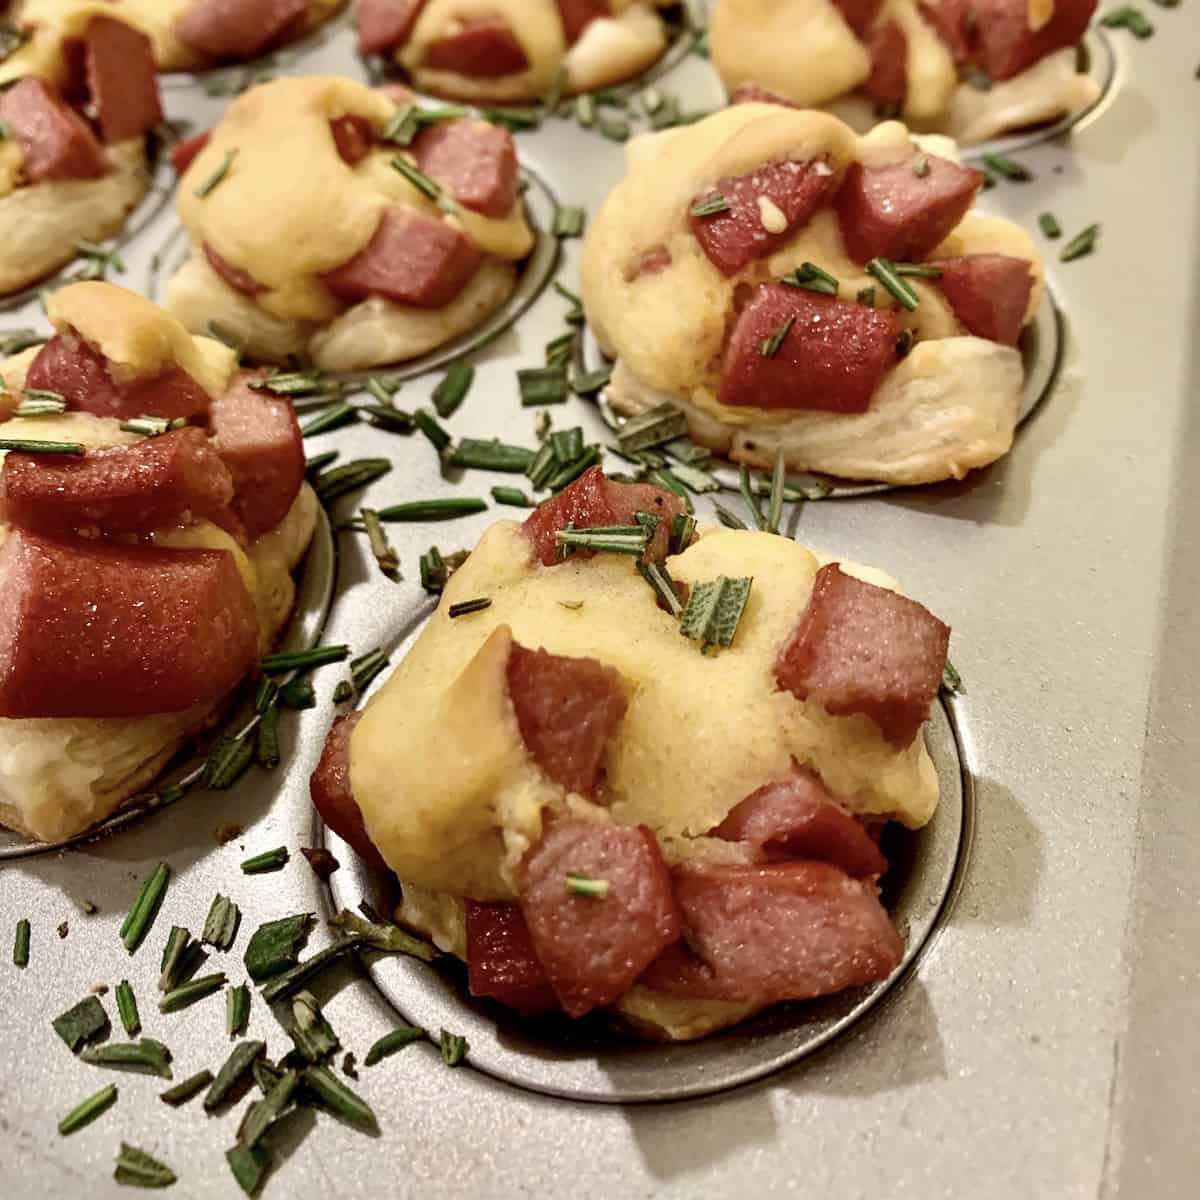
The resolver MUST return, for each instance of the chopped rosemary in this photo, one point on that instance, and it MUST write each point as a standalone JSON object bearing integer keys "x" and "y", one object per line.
{"x": 350, "y": 477}
{"x": 34, "y": 446}
{"x": 1084, "y": 242}
{"x": 542, "y": 385}
{"x": 1129, "y": 17}
{"x": 339, "y": 413}
{"x": 444, "y": 509}
{"x": 865, "y": 295}
{"x": 187, "y": 994}
{"x": 298, "y": 694}
{"x": 812, "y": 278}
{"x": 513, "y": 497}
{"x": 616, "y": 539}
{"x": 44, "y": 404}
{"x": 453, "y": 387}
{"x": 249, "y": 1166}
{"x": 386, "y": 558}
{"x": 214, "y": 180}
{"x": 426, "y": 186}
{"x": 491, "y": 456}
{"x": 296, "y": 383}
{"x": 454, "y": 1048}
{"x": 568, "y": 474}
{"x": 661, "y": 583}
{"x": 771, "y": 345}
{"x": 304, "y": 660}
{"x": 275, "y": 946}
{"x": 315, "y": 465}
{"x": 127, "y": 1009}
{"x": 392, "y": 1042}
{"x": 221, "y": 924}
{"x": 177, "y": 964}
{"x": 262, "y": 1114}
{"x": 543, "y": 466}
{"x": 579, "y": 884}
{"x": 21, "y": 944}
{"x": 85, "y": 1113}
{"x": 152, "y": 426}
{"x": 710, "y": 206}
{"x": 181, "y": 1093}
{"x": 728, "y": 519}
{"x": 331, "y": 1093}
{"x": 364, "y": 670}
{"x": 312, "y": 1033}
{"x": 561, "y": 350}
{"x": 266, "y": 737}
{"x": 237, "y": 1010}
{"x": 585, "y": 110}
{"x": 652, "y": 428}
{"x": 266, "y": 862}
{"x": 568, "y": 221}
{"x": 296, "y": 977}
{"x": 466, "y": 607}
{"x": 427, "y": 423}
{"x": 513, "y": 117}
{"x": 1004, "y": 166}
{"x": 683, "y": 530}
{"x": 951, "y": 679}
{"x": 232, "y": 1072}
{"x": 145, "y": 908}
{"x": 388, "y": 417}
{"x": 1049, "y": 225}
{"x": 13, "y": 341}
{"x": 136, "y": 1168}
{"x": 778, "y": 484}
{"x": 228, "y": 760}
{"x": 714, "y": 611}
{"x": 589, "y": 383}
{"x": 884, "y": 271}
{"x": 920, "y": 270}
{"x": 83, "y": 1023}
{"x": 98, "y": 261}
{"x": 147, "y": 1057}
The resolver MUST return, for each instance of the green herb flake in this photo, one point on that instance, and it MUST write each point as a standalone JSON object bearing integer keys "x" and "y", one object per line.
{"x": 313, "y": 1035}
{"x": 444, "y": 509}
{"x": 466, "y": 607}
{"x": 237, "y": 1010}
{"x": 385, "y": 938}
{"x": 454, "y": 1048}
{"x": 83, "y": 1023}
{"x": 1048, "y": 223}
{"x": 249, "y": 1166}
{"x": 513, "y": 497}
{"x": 652, "y": 428}
{"x": 1004, "y": 166}
{"x": 778, "y": 486}
{"x": 710, "y": 206}
{"x": 181, "y": 1093}
{"x": 211, "y": 184}
{"x": 589, "y": 383}
{"x": 146, "y": 1057}
{"x": 542, "y": 385}
{"x": 453, "y": 387}
{"x": 714, "y": 611}
{"x": 266, "y": 740}
{"x": 333, "y": 417}
{"x": 393, "y": 1042}
{"x": 232, "y": 1072}
{"x": 85, "y": 1113}
{"x": 275, "y": 946}
{"x": 141, "y": 916}
{"x": 21, "y": 944}
{"x": 266, "y": 862}
{"x": 37, "y": 446}
{"x": 127, "y": 1009}
{"x": 187, "y": 994}
{"x": 351, "y": 477}
{"x": 482, "y": 455}
{"x": 136, "y": 1168}
{"x": 262, "y": 1114}
{"x": 951, "y": 679}
{"x": 221, "y": 924}
{"x": 293, "y": 979}
{"x": 304, "y": 660}
{"x": 884, "y": 271}
{"x": 579, "y": 884}
{"x": 772, "y": 345}
{"x": 228, "y": 760}
{"x": 1081, "y": 244}
{"x": 568, "y": 221}
{"x": 1129, "y": 17}
{"x": 335, "y": 1096}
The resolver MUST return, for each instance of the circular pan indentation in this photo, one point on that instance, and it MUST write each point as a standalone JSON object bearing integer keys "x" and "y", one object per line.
{"x": 535, "y": 274}
{"x": 1041, "y": 347}
{"x": 317, "y": 576}
{"x": 586, "y": 1061}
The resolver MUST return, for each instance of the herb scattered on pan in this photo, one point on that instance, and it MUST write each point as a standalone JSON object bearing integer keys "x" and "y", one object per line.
{"x": 127, "y": 1009}
{"x": 466, "y": 607}
{"x": 428, "y": 424}
{"x": 136, "y": 1168}
{"x": 513, "y": 497}
{"x": 1084, "y": 242}
{"x": 85, "y": 1113}
{"x": 478, "y": 454}
{"x": 542, "y": 385}
{"x": 568, "y": 221}
{"x": 340, "y": 413}
{"x": 85, "y": 1022}
{"x": 221, "y": 924}
{"x": 237, "y": 1010}
{"x": 951, "y": 679}
{"x": 275, "y": 946}
{"x": 234, "y": 1070}
{"x": 181, "y": 1093}
{"x": 13, "y": 341}
{"x": 652, "y": 428}
{"x": 392, "y": 1042}
{"x": 294, "y": 978}
{"x": 98, "y": 261}
{"x": 1004, "y": 166}
{"x": 189, "y": 993}
{"x": 266, "y": 862}
{"x": 21, "y": 944}
{"x": 454, "y": 1048}
{"x": 228, "y": 760}
{"x": 145, "y": 908}
{"x": 453, "y": 387}
{"x": 313, "y": 1035}
{"x": 352, "y": 476}
{"x": 181, "y": 959}
{"x": 43, "y": 404}
{"x": 443, "y": 509}
{"x": 386, "y": 558}
{"x": 1049, "y": 225}
{"x": 330, "y": 1093}
{"x": 1130, "y": 17}
{"x": 146, "y": 1057}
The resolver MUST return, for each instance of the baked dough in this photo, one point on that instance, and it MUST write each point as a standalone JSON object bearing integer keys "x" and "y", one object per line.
{"x": 948, "y": 407}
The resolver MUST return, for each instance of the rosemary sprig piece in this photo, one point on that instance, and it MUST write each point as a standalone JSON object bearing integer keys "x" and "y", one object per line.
{"x": 275, "y": 946}
{"x": 1084, "y": 242}
{"x": 513, "y": 497}
{"x": 232, "y": 1072}
{"x": 728, "y": 519}
{"x": 350, "y": 477}
{"x": 181, "y": 1093}
{"x": 136, "y": 1168}
{"x": 454, "y": 1048}
{"x": 568, "y": 474}
{"x": 237, "y": 1010}
{"x": 386, "y": 938}
{"x": 221, "y": 924}
{"x": 491, "y": 455}
{"x": 392, "y": 1042}
{"x": 1048, "y": 223}
{"x": 262, "y": 1114}
{"x": 568, "y": 221}
{"x": 21, "y": 944}
{"x": 147, "y": 1057}
{"x": 313, "y": 1035}
{"x": 332, "y": 1094}
{"x": 466, "y": 607}
{"x": 127, "y": 1009}
{"x": 714, "y": 611}
{"x": 363, "y": 670}
{"x": 315, "y": 465}
{"x": 885, "y": 272}
{"x": 141, "y": 916}
{"x": 623, "y": 539}
{"x": 249, "y": 1166}
{"x": 710, "y": 206}
{"x": 588, "y": 383}
{"x": 1004, "y": 166}
{"x": 83, "y": 1023}
{"x": 214, "y": 180}
{"x": 427, "y": 423}
{"x": 187, "y": 994}
{"x": 1129, "y": 17}
{"x": 85, "y": 1113}
{"x": 542, "y": 385}
{"x": 304, "y": 660}
{"x": 228, "y": 760}
{"x": 296, "y": 977}
{"x": 444, "y": 509}
{"x": 340, "y": 413}
{"x": 36, "y": 446}
{"x": 452, "y": 390}
{"x": 266, "y": 739}
{"x": 386, "y": 558}
{"x": 13, "y": 341}
{"x": 297, "y": 383}
{"x": 813, "y": 279}
{"x": 652, "y": 428}
{"x": 49, "y": 404}
{"x": 266, "y": 862}
{"x": 951, "y": 679}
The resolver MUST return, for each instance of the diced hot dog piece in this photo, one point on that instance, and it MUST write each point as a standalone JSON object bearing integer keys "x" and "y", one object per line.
{"x": 77, "y": 371}
{"x": 789, "y": 931}
{"x": 753, "y": 93}
{"x": 482, "y": 48}
{"x": 650, "y": 262}
{"x": 864, "y": 649}
{"x": 384, "y": 25}
{"x": 226, "y": 29}
{"x": 858, "y": 14}
{"x": 175, "y": 479}
{"x": 333, "y": 797}
{"x": 411, "y": 259}
{"x": 765, "y": 207}
{"x": 238, "y": 279}
{"x": 185, "y": 153}
{"x": 887, "y": 83}
{"x": 353, "y": 137}
{"x": 501, "y": 962}
{"x": 567, "y": 709}
{"x": 595, "y": 500}
{"x": 121, "y": 78}
{"x": 1006, "y": 43}
{"x": 259, "y": 438}
{"x": 594, "y": 947}
{"x": 55, "y": 141}
{"x": 797, "y": 818}
{"x": 951, "y": 21}
{"x": 832, "y": 358}
{"x": 577, "y": 15}
{"x": 95, "y": 629}
{"x": 892, "y": 212}
{"x": 989, "y": 293}
{"x": 475, "y": 160}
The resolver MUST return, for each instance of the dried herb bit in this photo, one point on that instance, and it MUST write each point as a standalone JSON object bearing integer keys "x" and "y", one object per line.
{"x": 237, "y": 1010}
{"x": 332, "y": 1094}
{"x": 249, "y": 1166}
{"x": 1131, "y": 18}
{"x": 491, "y": 456}
{"x": 127, "y": 1009}
{"x": 386, "y": 938}
{"x": 44, "y": 404}
{"x": 89, "y": 1110}
{"x": 21, "y": 944}
{"x": 710, "y": 206}
{"x": 186, "y": 994}
{"x": 453, "y": 388}
{"x": 265, "y": 863}
{"x": 466, "y": 607}
{"x": 313, "y": 1035}
{"x": 393, "y": 1042}
{"x": 422, "y": 182}
{"x": 84, "y": 1023}
{"x": 214, "y": 180}
{"x": 513, "y": 497}
{"x": 13, "y": 341}
{"x": 147, "y": 1057}
{"x": 951, "y": 679}
{"x": 578, "y": 884}
{"x": 98, "y": 261}
{"x": 812, "y": 278}
{"x": 454, "y": 1048}
{"x": 152, "y": 426}
{"x": 728, "y": 519}
{"x": 613, "y": 539}
{"x": 1006, "y": 167}
{"x": 542, "y": 385}
{"x": 714, "y": 611}
{"x": 771, "y": 345}
{"x": 683, "y": 530}
{"x": 568, "y": 221}
{"x": 384, "y": 553}
{"x": 296, "y": 977}
{"x": 1049, "y": 225}
{"x": 304, "y": 660}
{"x": 141, "y": 916}
{"x": 275, "y": 946}
{"x": 1082, "y": 243}
{"x": 181, "y": 1093}
{"x": 588, "y": 383}
{"x": 266, "y": 740}
{"x": 221, "y": 924}
{"x": 228, "y": 760}
{"x": 315, "y": 465}
{"x": 919, "y": 270}
{"x": 262, "y": 1114}
{"x": 233, "y": 1071}
{"x": 885, "y": 272}
{"x": 866, "y": 296}
{"x": 427, "y": 423}
{"x": 136, "y": 1168}
{"x": 350, "y": 477}
{"x": 336, "y": 415}
{"x": 36, "y": 446}
{"x": 652, "y": 428}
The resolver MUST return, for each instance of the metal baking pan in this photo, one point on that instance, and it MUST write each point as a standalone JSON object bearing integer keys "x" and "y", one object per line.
{"x": 1050, "y": 913}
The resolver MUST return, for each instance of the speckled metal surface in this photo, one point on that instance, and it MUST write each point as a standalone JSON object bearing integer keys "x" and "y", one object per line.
{"x": 1043, "y": 1047}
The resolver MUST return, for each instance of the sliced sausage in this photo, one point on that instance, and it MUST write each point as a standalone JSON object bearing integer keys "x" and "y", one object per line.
{"x": 795, "y": 818}
{"x": 235, "y": 29}
{"x": 887, "y": 84}
{"x": 754, "y": 93}
{"x": 595, "y": 500}
{"x": 77, "y": 371}
{"x": 480, "y": 48}
{"x": 989, "y": 293}
{"x": 864, "y": 649}
{"x": 858, "y": 14}
{"x": 55, "y": 142}
{"x": 475, "y": 160}
{"x": 501, "y": 962}
{"x": 97, "y": 629}
{"x": 332, "y": 796}
{"x": 122, "y": 79}
{"x": 238, "y": 279}
{"x": 353, "y": 136}
{"x": 384, "y": 25}
{"x": 259, "y": 439}
{"x": 577, "y": 15}
{"x": 186, "y": 152}
{"x": 764, "y": 208}
{"x": 567, "y": 709}
{"x": 175, "y": 479}
{"x": 892, "y": 212}
{"x": 951, "y": 21}
{"x": 831, "y": 358}
{"x": 1007, "y": 45}
{"x": 411, "y": 259}
{"x": 594, "y": 947}
{"x": 787, "y": 931}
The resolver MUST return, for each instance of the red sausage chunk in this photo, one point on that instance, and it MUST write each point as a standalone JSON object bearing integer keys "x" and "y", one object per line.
{"x": 185, "y": 153}
{"x": 831, "y": 360}
{"x": 891, "y": 212}
{"x": 332, "y": 796}
{"x": 231, "y": 29}
{"x": 577, "y": 15}
{"x": 753, "y": 93}
{"x": 482, "y": 48}
{"x": 952, "y": 24}
{"x": 735, "y": 236}
{"x": 863, "y": 649}
{"x": 122, "y": 79}
{"x": 887, "y": 83}
{"x": 593, "y": 948}
{"x": 259, "y": 438}
{"x": 411, "y": 259}
{"x": 79, "y": 373}
{"x": 789, "y": 931}
{"x": 56, "y": 143}
{"x": 1006, "y": 44}
{"x": 594, "y": 500}
{"x": 384, "y": 25}
{"x": 239, "y": 280}
{"x": 797, "y": 818}
{"x": 475, "y": 160}
{"x": 989, "y": 293}
{"x": 858, "y": 14}
{"x": 176, "y": 479}
{"x": 567, "y": 709}
{"x": 501, "y": 962}
{"x": 93, "y": 629}
{"x": 353, "y": 137}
